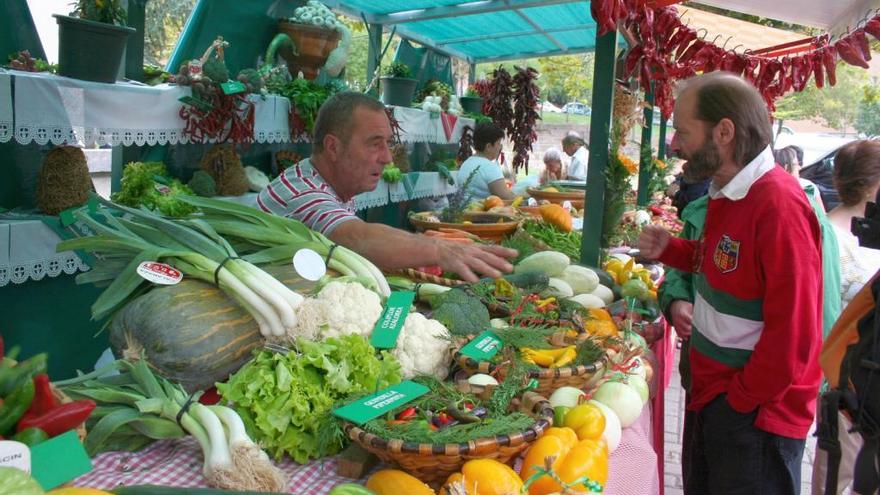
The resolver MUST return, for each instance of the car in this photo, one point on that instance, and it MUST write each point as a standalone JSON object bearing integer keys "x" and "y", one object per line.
{"x": 821, "y": 173}
{"x": 549, "y": 107}
{"x": 577, "y": 108}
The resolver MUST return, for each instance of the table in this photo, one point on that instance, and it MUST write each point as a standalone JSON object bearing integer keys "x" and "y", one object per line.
{"x": 179, "y": 463}
{"x": 27, "y": 252}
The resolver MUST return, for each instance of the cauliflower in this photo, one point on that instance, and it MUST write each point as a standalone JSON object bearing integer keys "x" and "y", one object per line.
{"x": 423, "y": 347}
{"x": 339, "y": 309}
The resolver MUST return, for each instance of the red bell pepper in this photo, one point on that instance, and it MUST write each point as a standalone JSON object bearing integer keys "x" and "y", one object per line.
{"x": 431, "y": 270}
{"x": 850, "y": 53}
{"x": 44, "y": 400}
{"x": 61, "y": 419}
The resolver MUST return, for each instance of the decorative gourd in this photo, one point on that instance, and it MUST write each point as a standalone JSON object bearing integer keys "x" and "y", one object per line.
{"x": 492, "y": 202}
{"x": 552, "y": 263}
{"x": 484, "y": 477}
{"x": 581, "y": 279}
{"x": 396, "y": 482}
{"x": 557, "y": 216}
{"x": 192, "y": 332}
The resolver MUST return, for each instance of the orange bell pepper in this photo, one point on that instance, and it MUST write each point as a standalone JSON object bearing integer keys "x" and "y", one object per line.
{"x": 572, "y": 460}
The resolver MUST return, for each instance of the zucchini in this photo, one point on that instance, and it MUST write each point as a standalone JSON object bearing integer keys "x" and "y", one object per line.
{"x": 604, "y": 277}
{"x": 173, "y": 490}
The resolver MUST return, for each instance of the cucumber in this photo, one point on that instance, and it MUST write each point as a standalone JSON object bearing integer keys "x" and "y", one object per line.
{"x": 171, "y": 490}
{"x": 604, "y": 278}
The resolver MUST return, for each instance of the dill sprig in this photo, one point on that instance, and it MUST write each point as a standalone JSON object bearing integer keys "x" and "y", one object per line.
{"x": 513, "y": 384}
{"x": 420, "y": 432}
{"x": 531, "y": 337}
{"x": 588, "y": 352}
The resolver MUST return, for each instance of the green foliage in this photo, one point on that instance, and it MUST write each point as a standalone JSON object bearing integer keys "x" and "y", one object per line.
{"x": 460, "y": 312}
{"x": 203, "y": 184}
{"x": 397, "y": 69}
{"x": 106, "y": 11}
{"x": 285, "y": 398}
{"x": 164, "y": 24}
{"x": 147, "y": 184}
{"x": 833, "y": 105}
{"x": 566, "y": 78}
{"x": 307, "y": 97}
{"x": 868, "y": 117}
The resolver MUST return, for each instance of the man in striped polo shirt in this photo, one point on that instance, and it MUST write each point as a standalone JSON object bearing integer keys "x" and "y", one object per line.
{"x": 351, "y": 148}
{"x": 757, "y": 321}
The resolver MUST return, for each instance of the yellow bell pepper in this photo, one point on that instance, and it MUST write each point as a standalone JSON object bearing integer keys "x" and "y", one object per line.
{"x": 586, "y": 420}
{"x": 572, "y": 460}
{"x": 484, "y": 477}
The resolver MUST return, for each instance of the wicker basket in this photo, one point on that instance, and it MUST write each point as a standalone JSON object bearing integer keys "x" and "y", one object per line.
{"x": 549, "y": 379}
{"x": 64, "y": 399}
{"x": 418, "y": 276}
{"x": 433, "y": 463}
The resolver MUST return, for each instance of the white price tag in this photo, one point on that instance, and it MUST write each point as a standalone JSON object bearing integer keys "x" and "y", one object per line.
{"x": 309, "y": 264}
{"x": 15, "y": 455}
{"x": 159, "y": 273}
{"x": 566, "y": 205}
{"x": 577, "y": 223}
{"x": 532, "y": 202}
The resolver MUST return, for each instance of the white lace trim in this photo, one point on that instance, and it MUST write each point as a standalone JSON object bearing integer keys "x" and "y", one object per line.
{"x": 61, "y": 134}
{"x": 5, "y": 131}
{"x": 370, "y": 202}
{"x": 68, "y": 263}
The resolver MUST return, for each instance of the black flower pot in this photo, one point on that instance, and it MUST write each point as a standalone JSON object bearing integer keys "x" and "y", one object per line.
{"x": 472, "y": 104}
{"x": 398, "y": 91}
{"x": 89, "y": 50}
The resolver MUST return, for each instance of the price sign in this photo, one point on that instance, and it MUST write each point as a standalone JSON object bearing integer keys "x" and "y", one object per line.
{"x": 373, "y": 406}
{"x": 159, "y": 273}
{"x": 388, "y": 327}
{"x": 482, "y": 348}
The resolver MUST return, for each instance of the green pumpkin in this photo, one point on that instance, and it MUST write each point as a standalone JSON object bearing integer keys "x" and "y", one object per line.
{"x": 192, "y": 333}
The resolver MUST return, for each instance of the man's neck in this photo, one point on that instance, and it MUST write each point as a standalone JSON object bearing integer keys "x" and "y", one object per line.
{"x": 726, "y": 173}
{"x": 320, "y": 163}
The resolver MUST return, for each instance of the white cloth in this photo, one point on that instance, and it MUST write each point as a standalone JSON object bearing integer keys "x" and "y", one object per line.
{"x": 5, "y": 107}
{"x": 857, "y": 264}
{"x": 739, "y": 186}
{"x": 427, "y": 185}
{"x": 577, "y": 170}
{"x": 27, "y": 252}
{"x": 487, "y": 172}
{"x": 427, "y": 127}
{"x": 271, "y": 119}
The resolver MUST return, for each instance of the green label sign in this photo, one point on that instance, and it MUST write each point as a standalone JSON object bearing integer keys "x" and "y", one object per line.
{"x": 389, "y": 325}
{"x": 482, "y": 348}
{"x": 381, "y": 402}
{"x": 233, "y": 87}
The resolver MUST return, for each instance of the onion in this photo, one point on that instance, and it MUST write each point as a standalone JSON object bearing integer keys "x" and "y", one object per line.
{"x": 622, "y": 399}
{"x": 567, "y": 397}
{"x": 639, "y": 385}
{"x": 483, "y": 380}
{"x": 612, "y": 431}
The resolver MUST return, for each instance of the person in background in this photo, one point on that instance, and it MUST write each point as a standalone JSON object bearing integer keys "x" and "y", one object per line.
{"x": 488, "y": 178}
{"x": 351, "y": 147}
{"x": 757, "y": 317}
{"x": 787, "y": 158}
{"x": 687, "y": 192}
{"x": 553, "y": 169}
{"x": 857, "y": 180}
{"x": 573, "y": 145}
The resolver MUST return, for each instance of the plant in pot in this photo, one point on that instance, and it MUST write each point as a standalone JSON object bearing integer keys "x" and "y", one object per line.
{"x": 472, "y": 102}
{"x": 398, "y": 86}
{"x": 91, "y": 41}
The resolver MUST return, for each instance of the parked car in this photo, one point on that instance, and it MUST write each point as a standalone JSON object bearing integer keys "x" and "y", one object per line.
{"x": 821, "y": 173}
{"x": 549, "y": 107}
{"x": 577, "y": 108}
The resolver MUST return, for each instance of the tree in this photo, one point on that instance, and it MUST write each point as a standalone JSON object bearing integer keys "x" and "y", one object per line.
{"x": 832, "y": 104}
{"x": 868, "y": 118}
{"x": 164, "y": 24}
{"x": 568, "y": 75}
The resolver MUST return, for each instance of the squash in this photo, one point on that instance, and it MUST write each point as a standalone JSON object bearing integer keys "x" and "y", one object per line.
{"x": 604, "y": 293}
{"x": 552, "y": 263}
{"x": 492, "y": 202}
{"x": 601, "y": 328}
{"x": 588, "y": 301}
{"x": 484, "y": 477}
{"x": 558, "y": 288}
{"x": 581, "y": 279}
{"x": 191, "y": 333}
{"x": 396, "y": 482}
{"x": 557, "y": 216}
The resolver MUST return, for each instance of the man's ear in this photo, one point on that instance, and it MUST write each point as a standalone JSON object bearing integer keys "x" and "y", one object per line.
{"x": 332, "y": 146}
{"x": 724, "y": 132}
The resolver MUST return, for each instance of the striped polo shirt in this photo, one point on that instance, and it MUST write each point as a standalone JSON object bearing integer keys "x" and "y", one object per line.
{"x": 302, "y": 194}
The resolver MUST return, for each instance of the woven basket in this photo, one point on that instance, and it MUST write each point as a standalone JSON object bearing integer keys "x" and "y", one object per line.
{"x": 431, "y": 279}
{"x": 549, "y": 379}
{"x": 64, "y": 399}
{"x": 433, "y": 463}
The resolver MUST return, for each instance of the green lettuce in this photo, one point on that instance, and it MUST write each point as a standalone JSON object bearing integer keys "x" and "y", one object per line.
{"x": 285, "y": 399}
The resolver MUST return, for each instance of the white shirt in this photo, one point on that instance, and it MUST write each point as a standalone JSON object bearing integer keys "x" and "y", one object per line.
{"x": 578, "y": 168}
{"x": 487, "y": 173}
{"x": 739, "y": 186}
{"x": 857, "y": 264}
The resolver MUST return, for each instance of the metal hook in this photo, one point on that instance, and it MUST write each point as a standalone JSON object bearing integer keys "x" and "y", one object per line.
{"x": 724, "y": 46}
{"x": 715, "y": 41}
{"x": 734, "y": 48}
{"x": 705, "y": 33}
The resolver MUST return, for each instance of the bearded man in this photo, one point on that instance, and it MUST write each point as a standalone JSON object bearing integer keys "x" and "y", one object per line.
{"x": 757, "y": 316}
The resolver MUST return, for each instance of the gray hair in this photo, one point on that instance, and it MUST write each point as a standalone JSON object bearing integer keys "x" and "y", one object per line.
{"x": 552, "y": 155}
{"x": 336, "y": 116}
{"x": 573, "y": 138}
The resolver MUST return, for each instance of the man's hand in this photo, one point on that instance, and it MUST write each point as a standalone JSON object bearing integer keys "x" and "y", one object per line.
{"x": 653, "y": 241}
{"x": 468, "y": 260}
{"x": 682, "y": 313}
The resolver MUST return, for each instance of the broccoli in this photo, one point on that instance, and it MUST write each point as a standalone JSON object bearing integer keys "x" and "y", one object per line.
{"x": 460, "y": 312}
{"x": 391, "y": 174}
{"x": 203, "y": 184}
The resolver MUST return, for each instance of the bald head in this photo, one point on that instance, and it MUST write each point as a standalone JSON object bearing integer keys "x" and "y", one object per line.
{"x": 717, "y": 96}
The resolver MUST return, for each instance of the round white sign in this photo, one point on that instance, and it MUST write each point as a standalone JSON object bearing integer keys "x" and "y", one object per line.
{"x": 309, "y": 264}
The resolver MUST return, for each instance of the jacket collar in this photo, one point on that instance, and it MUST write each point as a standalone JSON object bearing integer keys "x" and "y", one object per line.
{"x": 739, "y": 186}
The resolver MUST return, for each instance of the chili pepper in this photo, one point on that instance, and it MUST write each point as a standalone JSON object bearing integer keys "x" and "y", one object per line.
{"x": 850, "y": 54}
{"x": 406, "y": 414}
{"x": 44, "y": 400}
{"x": 461, "y": 416}
{"x": 12, "y": 378}
{"x": 860, "y": 41}
{"x": 15, "y": 406}
{"x": 31, "y": 436}
{"x": 829, "y": 60}
{"x": 872, "y": 27}
{"x": 63, "y": 418}
{"x": 818, "y": 68}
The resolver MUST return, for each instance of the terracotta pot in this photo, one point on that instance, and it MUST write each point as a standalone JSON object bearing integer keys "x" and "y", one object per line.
{"x": 313, "y": 43}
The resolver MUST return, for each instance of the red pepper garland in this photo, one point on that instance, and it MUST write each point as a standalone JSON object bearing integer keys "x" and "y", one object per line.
{"x": 230, "y": 119}
{"x": 500, "y": 95}
{"x": 668, "y": 50}
{"x": 525, "y": 115}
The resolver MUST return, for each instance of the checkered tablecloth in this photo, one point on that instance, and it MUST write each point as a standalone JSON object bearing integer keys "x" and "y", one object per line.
{"x": 179, "y": 463}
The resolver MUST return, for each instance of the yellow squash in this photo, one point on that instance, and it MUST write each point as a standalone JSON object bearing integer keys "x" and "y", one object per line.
{"x": 396, "y": 482}
{"x": 485, "y": 477}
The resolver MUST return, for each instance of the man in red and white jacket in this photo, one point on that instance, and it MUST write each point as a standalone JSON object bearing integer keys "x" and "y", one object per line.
{"x": 757, "y": 322}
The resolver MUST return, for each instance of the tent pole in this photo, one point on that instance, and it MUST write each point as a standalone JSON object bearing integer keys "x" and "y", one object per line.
{"x": 600, "y": 136}
{"x": 661, "y": 145}
{"x": 374, "y": 33}
{"x": 645, "y": 151}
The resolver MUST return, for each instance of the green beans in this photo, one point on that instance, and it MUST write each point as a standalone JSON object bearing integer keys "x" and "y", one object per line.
{"x": 568, "y": 243}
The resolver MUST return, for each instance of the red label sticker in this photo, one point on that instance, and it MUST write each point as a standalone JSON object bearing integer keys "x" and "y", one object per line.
{"x": 159, "y": 273}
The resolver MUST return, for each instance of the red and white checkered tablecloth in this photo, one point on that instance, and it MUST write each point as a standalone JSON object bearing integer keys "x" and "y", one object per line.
{"x": 179, "y": 463}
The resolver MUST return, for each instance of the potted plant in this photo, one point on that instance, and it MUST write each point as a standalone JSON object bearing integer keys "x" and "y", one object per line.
{"x": 91, "y": 41}
{"x": 398, "y": 86}
{"x": 472, "y": 102}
